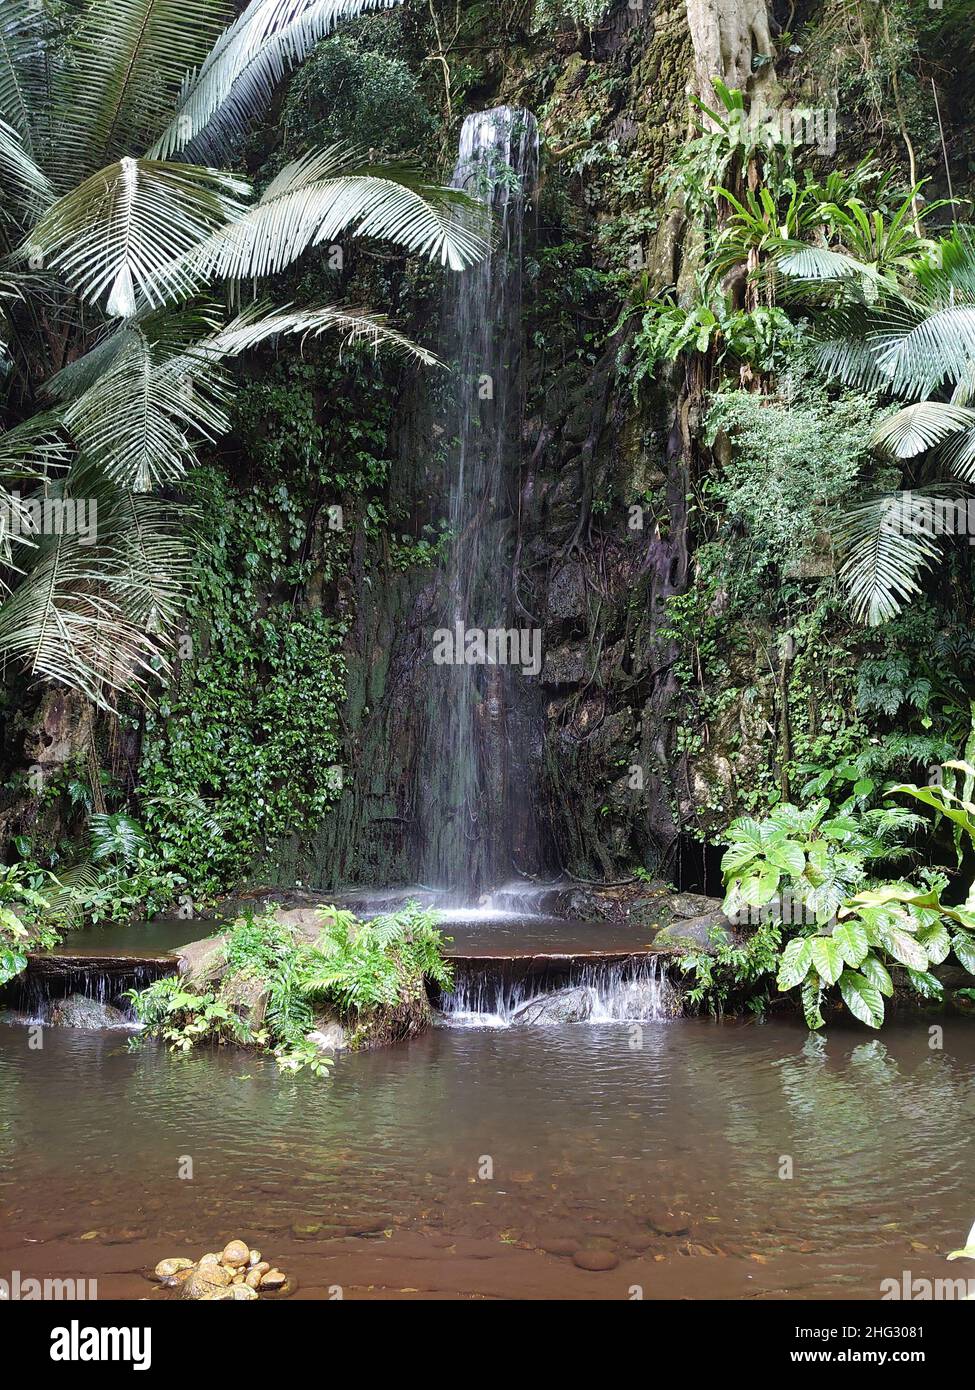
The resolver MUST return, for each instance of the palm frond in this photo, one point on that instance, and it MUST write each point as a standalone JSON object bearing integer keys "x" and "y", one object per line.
{"x": 884, "y": 554}
{"x": 247, "y": 62}
{"x": 123, "y": 234}
{"x": 316, "y": 199}
{"x": 22, "y": 25}
{"x": 918, "y": 354}
{"x": 261, "y": 322}
{"x": 920, "y": 427}
{"x": 26, "y": 183}
{"x": 35, "y": 449}
{"x": 128, "y": 62}
{"x": 817, "y": 264}
{"x": 138, "y": 420}
{"x": 96, "y": 616}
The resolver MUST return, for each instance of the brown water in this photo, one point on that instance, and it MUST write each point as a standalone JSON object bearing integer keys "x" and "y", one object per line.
{"x": 660, "y": 1144}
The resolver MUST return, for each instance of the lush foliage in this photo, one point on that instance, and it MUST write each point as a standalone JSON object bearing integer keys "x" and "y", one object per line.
{"x": 26, "y": 921}
{"x": 129, "y": 245}
{"x": 356, "y": 968}
{"x": 805, "y": 877}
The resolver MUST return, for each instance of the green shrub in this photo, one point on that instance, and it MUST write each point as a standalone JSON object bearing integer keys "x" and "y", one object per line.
{"x": 359, "y": 968}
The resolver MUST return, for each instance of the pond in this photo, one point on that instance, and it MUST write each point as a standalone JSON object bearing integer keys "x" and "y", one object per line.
{"x": 684, "y": 1158}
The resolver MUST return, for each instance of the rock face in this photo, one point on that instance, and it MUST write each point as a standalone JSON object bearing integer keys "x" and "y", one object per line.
{"x": 78, "y": 1011}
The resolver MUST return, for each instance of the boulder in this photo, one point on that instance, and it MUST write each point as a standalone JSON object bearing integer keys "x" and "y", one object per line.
{"x": 248, "y": 996}
{"x": 203, "y": 963}
{"x": 702, "y": 933}
{"x": 78, "y": 1011}
{"x": 328, "y": 1036}
{"x": 572, "y": 1005}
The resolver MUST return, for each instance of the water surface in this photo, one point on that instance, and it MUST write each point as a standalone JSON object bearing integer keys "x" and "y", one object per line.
{"x": 477, "y": 1163}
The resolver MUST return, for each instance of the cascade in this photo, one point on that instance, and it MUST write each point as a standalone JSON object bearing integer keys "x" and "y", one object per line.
{"x": 477, "y": 822}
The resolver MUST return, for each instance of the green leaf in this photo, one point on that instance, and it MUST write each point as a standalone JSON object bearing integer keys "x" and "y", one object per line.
{"x": 827, "y": 957}
{"x": 794, "y": 964}
{"x": 812, "y": 992}
{"x": 818, "y": 856}
{"x": 851, "y": 937}
{"x": 863, "y": 999}
{"x": 788, "y": 856}
{"x": 758, "y": 889}
{"x": 903, "y": 947}
{"x": 925, "y": 983}
{"x": 936, "y": 942}
{"x": 964, "y": 948}
{"x": 878, "y": 975}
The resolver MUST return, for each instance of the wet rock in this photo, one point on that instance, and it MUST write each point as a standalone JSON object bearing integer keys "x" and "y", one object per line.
{"x": 565, "y": 665}
{"x": 573, "y": 1005}
{"x": 248, "y": 996}
{"x": 692, "y": 904}
{"x": 236, "y": 1254}
{"x": 567, "y": 592}
{"x": 166, "y": 1269}
{"x": 241, "y": 1293}
{"x": 702, "y": 933}
{"x": 328, "y": 1037}
{"x": 595, "y": 1260}
{"x": 203, "y": 963}
{"x": 667, "y": 1223}
{"x": 78, "y": 1011}
{"x": 273, "y": 1279}
{"x": 204, "y": 1280}
{"x": 306, "y": 1230}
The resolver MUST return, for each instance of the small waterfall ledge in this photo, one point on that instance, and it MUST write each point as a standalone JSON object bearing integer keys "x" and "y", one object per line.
{"x": 493, "y": 988}
{"x": 542, "y": 991}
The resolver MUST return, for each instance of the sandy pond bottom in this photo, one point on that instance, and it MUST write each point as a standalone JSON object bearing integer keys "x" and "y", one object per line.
{"x": 660, "y": 1145}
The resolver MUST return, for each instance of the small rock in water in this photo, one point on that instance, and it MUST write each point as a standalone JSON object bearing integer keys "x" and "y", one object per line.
{"x": 237, "y": 1273}
{"x": 235, "y": 1253}
{"x": 253, "y": 1276}
{"x": 595, "y": 1260}
{"x": 165, "y": 1269}
{"x": 204, "y": 1280}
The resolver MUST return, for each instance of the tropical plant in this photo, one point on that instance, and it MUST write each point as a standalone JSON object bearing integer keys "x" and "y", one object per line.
{"x": 356, "y": 967}
{"x": 113, "y": 116}
{"x": 800, "y": 877}
{"x": 116, "y": 836}
{"x": 26, "y": 919}
{"x": 361, "y": 965}
{"x": 912, "y": 339}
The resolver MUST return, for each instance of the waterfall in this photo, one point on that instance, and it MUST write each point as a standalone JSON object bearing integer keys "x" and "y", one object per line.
{"x": 486, "y": 995}
{"x": 477, "y": 824}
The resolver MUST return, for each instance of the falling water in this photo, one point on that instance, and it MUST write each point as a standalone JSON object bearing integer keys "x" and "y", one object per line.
{"x": 486, "y": 996}
{"x": 478, "y": 820}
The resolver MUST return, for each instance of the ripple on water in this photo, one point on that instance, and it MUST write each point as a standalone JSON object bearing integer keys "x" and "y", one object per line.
{"x": 672, "y": 1144}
